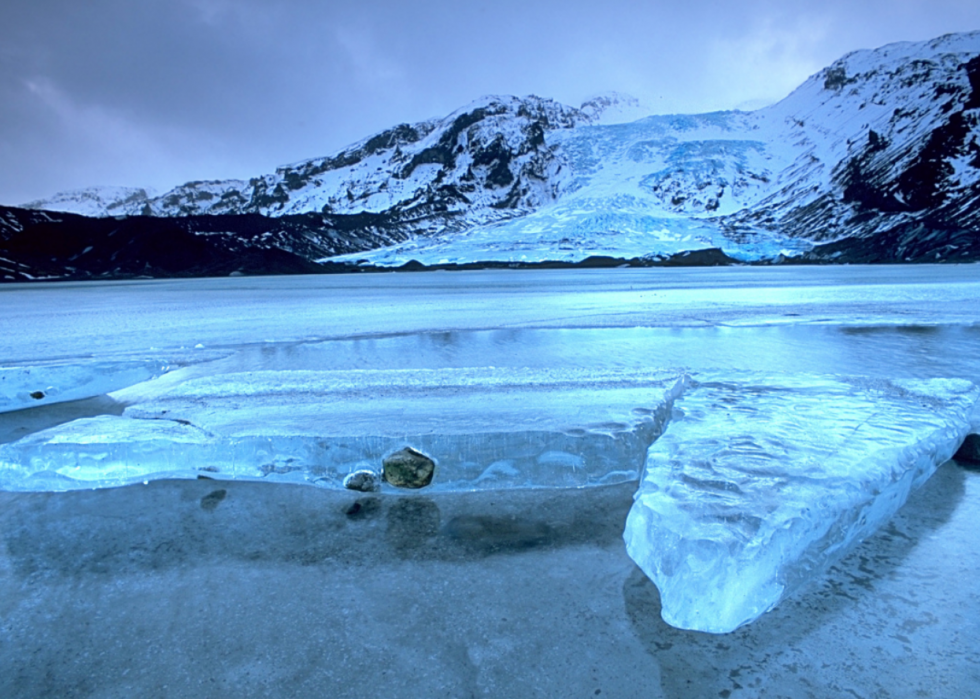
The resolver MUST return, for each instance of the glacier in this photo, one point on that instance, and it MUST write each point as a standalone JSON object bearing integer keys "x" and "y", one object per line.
{"x": 760, "y": 483}
{"x": 651, "y": 188}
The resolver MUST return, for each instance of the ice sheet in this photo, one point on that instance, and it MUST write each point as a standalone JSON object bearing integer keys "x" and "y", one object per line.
{"x": 32, "y": 386}
{"x": 172, "y": 318}
{"x": 485, "y": 427}
{"x": 759, "y": 483}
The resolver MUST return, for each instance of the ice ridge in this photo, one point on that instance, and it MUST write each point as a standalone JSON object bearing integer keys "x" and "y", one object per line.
{"x": 758, "y": 485}
{"x": 485, "y": 428}
{"x": 750, "y": 485}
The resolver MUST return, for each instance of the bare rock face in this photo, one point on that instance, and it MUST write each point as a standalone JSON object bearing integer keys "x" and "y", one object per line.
{"x": 408, "y": 468}
{"x": 364, "y": 481}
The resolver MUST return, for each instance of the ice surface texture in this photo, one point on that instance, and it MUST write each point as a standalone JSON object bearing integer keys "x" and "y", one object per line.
{"x": 30, "y": 386}
{"x": 758, "y": 485}
{"x": 485, "y": 428}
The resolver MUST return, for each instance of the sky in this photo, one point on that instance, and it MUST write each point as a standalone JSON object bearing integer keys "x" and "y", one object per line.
{"x": 155, "y": 93}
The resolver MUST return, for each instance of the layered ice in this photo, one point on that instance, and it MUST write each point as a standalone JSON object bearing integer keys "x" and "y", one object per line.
{"x": 484, "y": 427}
{"x": 31, "y": 386}
{"x": 759, "y": 484}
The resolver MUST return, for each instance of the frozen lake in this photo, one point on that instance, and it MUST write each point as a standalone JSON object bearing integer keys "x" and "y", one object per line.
{"x": 845, "y": 386}
{"x": 43, "y": 322}
{"x": 841, "y": 389}
{"x": 503, "y": 357}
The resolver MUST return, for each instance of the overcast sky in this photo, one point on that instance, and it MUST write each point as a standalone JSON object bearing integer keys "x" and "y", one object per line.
{"x": 158, "y": 92}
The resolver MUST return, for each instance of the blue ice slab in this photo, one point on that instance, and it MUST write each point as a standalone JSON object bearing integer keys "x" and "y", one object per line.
{"x": 759, "y": 484}
{"x": 31, "y": 386}
{"x": 484, "y": 427}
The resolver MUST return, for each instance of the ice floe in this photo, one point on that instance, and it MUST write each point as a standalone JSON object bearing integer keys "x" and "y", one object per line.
{"x": 759, "y": 483}
{"x": 485, "y": 428}
{"x": 31, "y": 386}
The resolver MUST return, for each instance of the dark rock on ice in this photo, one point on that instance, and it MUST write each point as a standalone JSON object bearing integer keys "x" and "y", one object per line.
{"x": 364, "y": 480}
{"x": 408, "y": 468}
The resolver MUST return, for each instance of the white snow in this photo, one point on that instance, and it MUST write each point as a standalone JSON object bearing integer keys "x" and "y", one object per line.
{"x": 615, "y": 108}
{"x": 97, "y": 201}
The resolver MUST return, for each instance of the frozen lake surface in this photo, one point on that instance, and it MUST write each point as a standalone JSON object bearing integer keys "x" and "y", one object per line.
{"x": 522, "y": 379}
{"x": 70, "y": 320}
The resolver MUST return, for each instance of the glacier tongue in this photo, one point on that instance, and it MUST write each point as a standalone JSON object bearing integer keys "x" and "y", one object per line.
{"x": 758, "y": 486}
{"x": 485, "y": 428}
{"x": 30, "y": 386}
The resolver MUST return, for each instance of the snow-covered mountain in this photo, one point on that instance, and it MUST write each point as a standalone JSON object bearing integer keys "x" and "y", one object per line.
{"x": 880, "y": 141}
{"x": 874, "y": 158}
{"x": 486, "y": 158}
{"x": 97, "y": 201}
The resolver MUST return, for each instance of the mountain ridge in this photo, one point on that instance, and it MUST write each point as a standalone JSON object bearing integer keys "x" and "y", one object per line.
{"x": 878, "y": 152}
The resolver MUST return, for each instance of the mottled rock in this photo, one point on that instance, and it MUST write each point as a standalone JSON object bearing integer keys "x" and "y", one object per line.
{"x": 408, "y": 468}
{"x": 364, "y": 480}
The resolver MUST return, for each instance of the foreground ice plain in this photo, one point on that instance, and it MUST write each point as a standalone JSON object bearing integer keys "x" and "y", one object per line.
{"x": 581, "y": 349}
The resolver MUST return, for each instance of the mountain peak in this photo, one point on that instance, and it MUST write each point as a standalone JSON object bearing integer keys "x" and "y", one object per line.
{"x": 614, "y": 108}
{"x": 882, "y": 145}
{"x": 97, "y": 201}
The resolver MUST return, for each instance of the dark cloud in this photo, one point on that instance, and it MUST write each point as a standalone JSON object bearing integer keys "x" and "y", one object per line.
{"x": 158, "y": 92}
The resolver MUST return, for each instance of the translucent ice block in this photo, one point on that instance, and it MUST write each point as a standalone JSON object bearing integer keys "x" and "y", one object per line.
{"x": 758, "y": 485}
{"x": 493, "y": 428}
{"x": 30, "y": 386}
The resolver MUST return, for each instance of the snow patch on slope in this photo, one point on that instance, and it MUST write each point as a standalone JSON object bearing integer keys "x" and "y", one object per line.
{"x": 98, "y": 202}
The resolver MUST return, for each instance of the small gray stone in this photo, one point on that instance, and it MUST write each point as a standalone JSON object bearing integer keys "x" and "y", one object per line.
{"x": 364, "y": 481}
{"x": 408, "y": 468}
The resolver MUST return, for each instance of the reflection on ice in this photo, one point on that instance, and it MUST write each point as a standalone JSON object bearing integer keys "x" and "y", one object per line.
{"x": 888, "y": 352}
{"x": 759, "y": 484}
